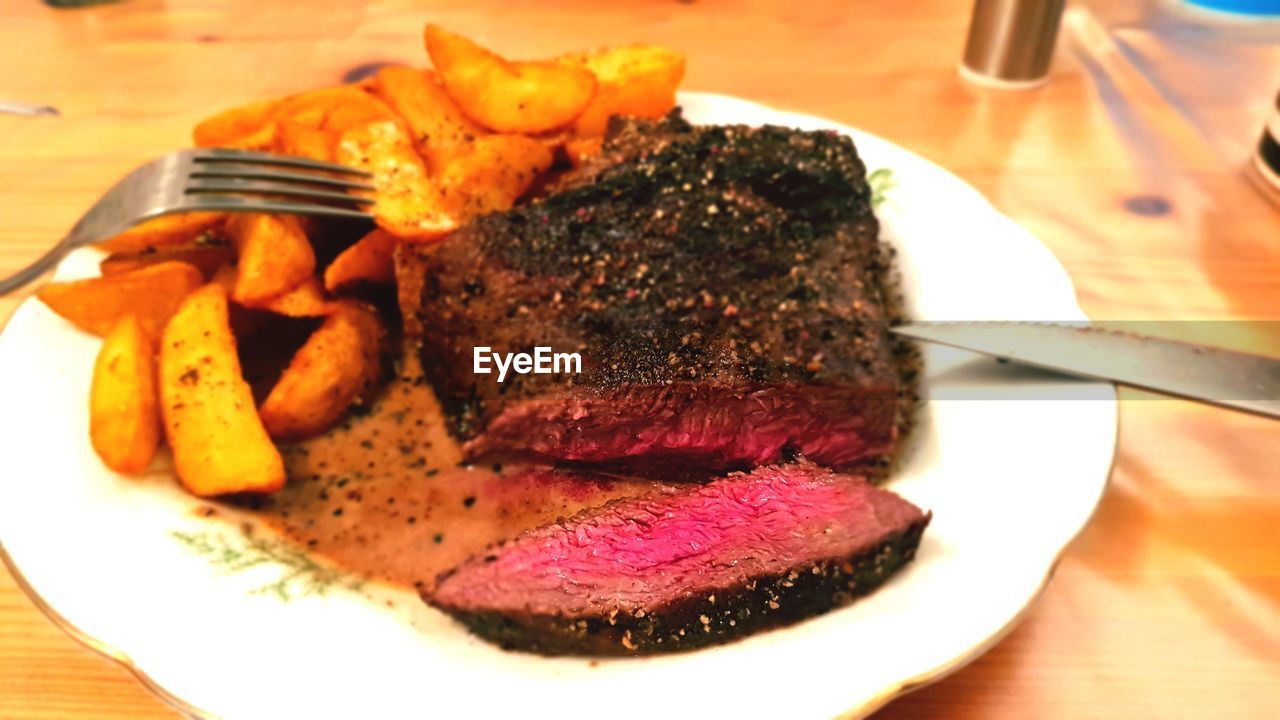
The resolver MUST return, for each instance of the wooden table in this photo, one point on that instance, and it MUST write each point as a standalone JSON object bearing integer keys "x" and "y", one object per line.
{"x": 1168, "y": 605}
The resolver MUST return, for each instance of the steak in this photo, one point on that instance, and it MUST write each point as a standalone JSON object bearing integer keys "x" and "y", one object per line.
{"x": 687, "y": 567}
{"x": 726, "y": 291}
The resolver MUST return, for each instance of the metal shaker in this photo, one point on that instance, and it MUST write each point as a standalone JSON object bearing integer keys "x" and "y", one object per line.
{"x": 1266, "y": 157}
{"x": 1011, "y": 42}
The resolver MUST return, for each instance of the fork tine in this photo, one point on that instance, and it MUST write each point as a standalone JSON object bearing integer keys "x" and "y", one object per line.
{"x": 222, "y": 155}
{"x": 248, "y": 172}
{"x": 261, "y": 187}
{"x": 231, "y": 203}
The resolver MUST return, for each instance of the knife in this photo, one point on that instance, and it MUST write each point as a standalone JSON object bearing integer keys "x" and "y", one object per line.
{"x": 17, "y": 108}
{"x": 1228, "y": 379}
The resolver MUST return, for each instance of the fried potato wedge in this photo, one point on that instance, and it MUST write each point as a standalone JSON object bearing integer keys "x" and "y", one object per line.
{"x": 493, "y": 173}
{"x": 249, "y": 127}
{"x": 580, "y": 150}
{"x": 244, "y": 321}
{"x": 164, "y": 231}
{"x": 506, "y": 96}
{"x": 630, "y": 63}
{"x": 300, "y": 138}
{"x": 124, "y": 416}
{"x": 208, "y": 258}
{"x": 219, "y": 444}
{"x": 336, "y": 367}
{"x": 440, "y": 129}
{"x": 308, "y": 299}
{"x": 349, "y": 107}
{"x": 371, "y": 259}
{"x": 310, "y": 124}
{"x": 407, "y": 204}
{"x": 274, "y": 256}
{"x": 635, "y": 81}
{"x": 151, "y": 293}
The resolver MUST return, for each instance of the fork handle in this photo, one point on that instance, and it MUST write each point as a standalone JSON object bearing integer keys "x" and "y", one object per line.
{"x": 36, "y": 269}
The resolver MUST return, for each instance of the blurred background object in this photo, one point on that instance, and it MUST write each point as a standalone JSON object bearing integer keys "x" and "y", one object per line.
{"x": 1248, "y": 7}
{"x": 17, "y": 108}
{"x": 1183, "y": 86}
{"x": 1266, "y": 162}
{"x": 1011, "y": 42}
{"x": 75, "y": 3}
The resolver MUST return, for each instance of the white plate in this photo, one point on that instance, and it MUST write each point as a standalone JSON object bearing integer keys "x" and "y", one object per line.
{"x": 1010, "y": 468}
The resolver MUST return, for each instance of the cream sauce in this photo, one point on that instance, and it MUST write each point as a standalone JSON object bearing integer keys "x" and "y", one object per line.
{"x": 384, "y": 494}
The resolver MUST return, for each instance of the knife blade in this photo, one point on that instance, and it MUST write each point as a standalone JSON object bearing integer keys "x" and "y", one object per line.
{"x": 1225, "y": 378}
{"x": 17, "y": 108}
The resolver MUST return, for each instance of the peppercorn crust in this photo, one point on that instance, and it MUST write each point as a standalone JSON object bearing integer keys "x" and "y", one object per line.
{"x": 725, "y": 260}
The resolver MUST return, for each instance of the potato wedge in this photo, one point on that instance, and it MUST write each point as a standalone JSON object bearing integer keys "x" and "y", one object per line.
{"x": 317, "y": 99}
{"x": 335, "y": 109}
{"x": 300, "y": 138}
{"x": 308, "y": 299}
{"x": 628, "y": 63}
{"x": 506, "y": 96}
{"x": 310, "y": 124}
{"x": 407, "y": 203}
{"x": 249, "y": 127}
{"x": 493, "y": 173}
{"x": 635, "y": 81}
{"x": 226, "y": 277}
{"x": 371, "y": 259}
{"x": 440, "y": 129}
{"x": 644, "y": 99}
{"x": 208, "y": 258}
{"x": 476, "y": 172}
{"x": 219, "y": 443}
{"x": 275, "y": 256}
{"x": 151, "y": 293}
{"x": 339, "y": 363}
{"x": 245, "y": 321}
{"x": 164, "y": 231}
{"x": 358, "y": 108}
{"x": 124, "y": 418}
{"x": 580, "y": 150}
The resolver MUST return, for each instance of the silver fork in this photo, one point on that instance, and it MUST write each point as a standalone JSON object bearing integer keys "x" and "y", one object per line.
{"x": 210, "y": 179}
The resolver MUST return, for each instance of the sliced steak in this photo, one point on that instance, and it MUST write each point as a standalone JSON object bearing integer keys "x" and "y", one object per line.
{"x": 689, "y": 567}
{"x": 724, "y": 286}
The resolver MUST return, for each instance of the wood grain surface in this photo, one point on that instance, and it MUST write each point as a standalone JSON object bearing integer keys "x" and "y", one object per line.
{"x": 1167, "y": 606}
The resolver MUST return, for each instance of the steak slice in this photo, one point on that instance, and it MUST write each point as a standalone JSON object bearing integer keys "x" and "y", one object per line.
{"x": 686, "y": 568}
{"x": 724, "y": 286}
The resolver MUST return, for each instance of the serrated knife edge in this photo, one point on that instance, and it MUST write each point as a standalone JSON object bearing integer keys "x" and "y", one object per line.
{"x": 1225, "y": 378}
